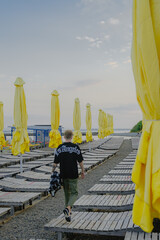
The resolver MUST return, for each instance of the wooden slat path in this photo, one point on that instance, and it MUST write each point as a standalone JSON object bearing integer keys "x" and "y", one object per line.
{"x": 105, "y": 202}
{"x": 94, "y": 223}
{"x": 17, "y": 200}
{"x": 14, "y": 184}
{"x": 121, "y": 172}
{"x": 34, "y": 176}
{"x": 116, "y": 179}
{"x": 112, "y": 188}
{"x": 142, "y": 236}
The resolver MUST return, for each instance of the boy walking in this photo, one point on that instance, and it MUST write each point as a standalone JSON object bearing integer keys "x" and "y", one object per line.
{"x": 68, "y": 155}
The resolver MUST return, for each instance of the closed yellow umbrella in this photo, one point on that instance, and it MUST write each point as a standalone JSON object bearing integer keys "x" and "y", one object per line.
{"x": 2, "y": 138}
{"x": 105, "y": 125}
{"x": 77, "y": 135}
{"x": 146, "y": 68}
{"x": 55, "y": 137}
{"x": 112, "y": 129}
{"x": 20, "y": 141}
{"x": 88, "y": 123}
{"x": 100, "y": 124}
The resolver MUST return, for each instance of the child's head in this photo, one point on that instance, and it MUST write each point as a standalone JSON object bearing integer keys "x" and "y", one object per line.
{"x": 68, "y": 134}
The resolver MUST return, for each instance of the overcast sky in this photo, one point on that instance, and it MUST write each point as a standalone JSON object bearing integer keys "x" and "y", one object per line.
{"x": 81, "y": 48}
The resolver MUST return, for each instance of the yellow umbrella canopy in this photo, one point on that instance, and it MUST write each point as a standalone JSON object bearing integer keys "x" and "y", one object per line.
{"x": 2, "y": 138}
{"x": 20, "y": 141}
{"x": 100, "y": 124}
{"x": 77, "y": 135}
{"x": 88, "y": 123}
{"x": 55, "y": 137}
{"x": 146, "y": 68}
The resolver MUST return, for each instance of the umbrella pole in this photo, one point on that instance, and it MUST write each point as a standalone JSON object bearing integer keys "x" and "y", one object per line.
{"x": 21, "y": 167}
{"x": 89, "y": 146}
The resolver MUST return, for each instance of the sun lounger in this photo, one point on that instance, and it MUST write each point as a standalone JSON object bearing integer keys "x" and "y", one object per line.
{"x": 135, "y": 142}
{"x": 34, "y": 176}
{"x": 121, "y": 172}
{"x": 105, "y": 202}
{"x": 123, "y": 166}
{"x": 126, "y": 163}
{"x": 14, "y": 184}
{"x": 4, "y": 213}
{"x": 112, "y": 188}
{"x": 93, "y": 223}
{"x": 113, "y": 143}
{"x": 116, "y": 179}
{"x": 142, "y": 236}
{"x": 17, "y": 200}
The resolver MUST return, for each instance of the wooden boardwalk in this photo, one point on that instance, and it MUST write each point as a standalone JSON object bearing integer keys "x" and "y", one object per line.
{"x": 112, "y": 188}
{"x": 94, "y": 223}
{"x": 105, "y": 202}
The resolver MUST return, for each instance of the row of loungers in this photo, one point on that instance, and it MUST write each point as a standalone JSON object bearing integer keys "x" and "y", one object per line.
{"x": 25, "y": 188}
{"x": 7, "y": 159}
{"x": 105, "y": 211}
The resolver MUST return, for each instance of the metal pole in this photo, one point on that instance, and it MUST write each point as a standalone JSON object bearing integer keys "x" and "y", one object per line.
{"x": 89, "y": 146}
{"x": 21, "y": 167}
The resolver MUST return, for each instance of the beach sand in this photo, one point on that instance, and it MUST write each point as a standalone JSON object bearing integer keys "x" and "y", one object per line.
{"x": 30, "y": 223}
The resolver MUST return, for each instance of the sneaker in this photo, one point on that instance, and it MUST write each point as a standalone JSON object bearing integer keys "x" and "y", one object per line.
{"x": 66, "y": 214}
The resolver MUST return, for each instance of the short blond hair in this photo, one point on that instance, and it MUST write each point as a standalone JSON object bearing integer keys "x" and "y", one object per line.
{"x": 68, "y": 134}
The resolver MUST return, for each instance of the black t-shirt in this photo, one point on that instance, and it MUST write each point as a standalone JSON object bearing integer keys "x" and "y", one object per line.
{"x": 68, "y": 154}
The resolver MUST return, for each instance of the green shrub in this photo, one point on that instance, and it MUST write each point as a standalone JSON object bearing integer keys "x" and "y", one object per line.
{"x": 137, "y": 127}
